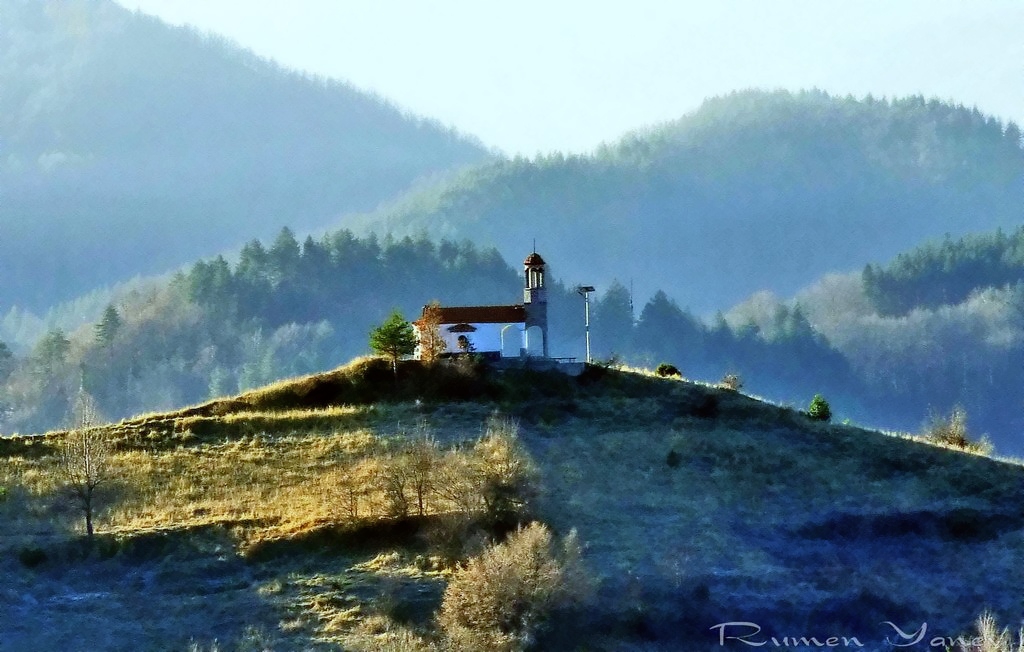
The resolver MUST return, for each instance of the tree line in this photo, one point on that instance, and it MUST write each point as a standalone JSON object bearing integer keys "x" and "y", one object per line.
{"x": 280, "y": 309}
{"x": 946, "y": 272}
{"x": 288, "y": 308}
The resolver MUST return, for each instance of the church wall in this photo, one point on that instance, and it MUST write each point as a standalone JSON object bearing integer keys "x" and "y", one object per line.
{"x": 486, "y": 338}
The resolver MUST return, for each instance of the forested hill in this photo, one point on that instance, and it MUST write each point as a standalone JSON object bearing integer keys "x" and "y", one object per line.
{"x": 130, "y": 147}
{"x": 287, "y": 308}
{"x": 938, "y": 328}
{"x": 946, "y": 272}
{"x": 753, "y": 191}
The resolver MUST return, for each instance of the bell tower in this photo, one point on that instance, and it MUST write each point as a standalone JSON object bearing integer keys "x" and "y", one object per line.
{"x": 535, "y": 297}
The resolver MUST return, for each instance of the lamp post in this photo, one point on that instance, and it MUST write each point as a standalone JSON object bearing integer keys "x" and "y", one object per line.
{"x": 584, "y": 291}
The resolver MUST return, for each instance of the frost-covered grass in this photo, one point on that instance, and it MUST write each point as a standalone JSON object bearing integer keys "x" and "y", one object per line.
{"x": 807, "y": 528}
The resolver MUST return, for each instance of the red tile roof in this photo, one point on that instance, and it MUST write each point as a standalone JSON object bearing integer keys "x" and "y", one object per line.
{"x": 482, "y": 314}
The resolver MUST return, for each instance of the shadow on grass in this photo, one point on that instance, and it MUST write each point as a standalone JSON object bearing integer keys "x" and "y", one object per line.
{"x": 359, "y": 537}
{"x": 153, "y": 590}
{"x": 953, "y": 525}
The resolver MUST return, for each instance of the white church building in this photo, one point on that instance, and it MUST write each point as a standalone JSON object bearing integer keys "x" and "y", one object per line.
{"x": 519, "y": 330}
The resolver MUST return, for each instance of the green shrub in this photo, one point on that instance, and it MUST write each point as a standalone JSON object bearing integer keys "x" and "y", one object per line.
{"x": 501, "y": 599}
{"x": 3, "y": 494}
{"x": 819, "y": 409}
{"x": 665, "y": 370}
{"x": 673, "y": 459}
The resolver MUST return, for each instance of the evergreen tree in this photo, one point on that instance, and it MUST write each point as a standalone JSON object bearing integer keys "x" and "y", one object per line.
{"x": 394, "y": 339}
{"x": 52, "y": 351}
{"x": 613, "y": 322}
{"x": 284, "y": 257}
{"x": 664, "y": 331}
{"x": 108, "y": 327}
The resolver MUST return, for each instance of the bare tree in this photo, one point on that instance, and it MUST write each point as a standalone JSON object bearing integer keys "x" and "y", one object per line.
{"x": 85, "y": 456}
{"x": 421, "y": 459}
{"x": 392, "y": 481}
{"x": 355, "y": 486}
{"x": 455, "y": 482}
{"x": 431, "y": 343}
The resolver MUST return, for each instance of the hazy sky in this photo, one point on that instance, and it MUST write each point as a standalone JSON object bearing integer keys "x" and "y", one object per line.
{"x": 534, "y": 76}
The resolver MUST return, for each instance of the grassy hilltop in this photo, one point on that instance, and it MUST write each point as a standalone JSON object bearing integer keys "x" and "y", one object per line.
{"x": 268, "y": 520}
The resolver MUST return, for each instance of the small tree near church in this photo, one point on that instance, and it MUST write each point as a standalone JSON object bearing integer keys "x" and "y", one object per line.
{"x": 393, "y": 339}
{"x": 432, "y": 345}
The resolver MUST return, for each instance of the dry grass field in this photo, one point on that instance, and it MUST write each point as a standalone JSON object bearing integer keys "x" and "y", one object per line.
{"x": 255, "y": 524}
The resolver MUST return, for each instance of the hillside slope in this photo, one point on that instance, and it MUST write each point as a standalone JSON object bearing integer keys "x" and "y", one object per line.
{"x": 130, "y": 147}
{"x": 753, "y": 191}
{"x": 939, "y": 327}
{"x": 759, "y": 516}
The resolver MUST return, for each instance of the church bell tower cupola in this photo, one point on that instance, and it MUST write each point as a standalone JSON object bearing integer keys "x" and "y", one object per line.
{"x": 535, "y": 291}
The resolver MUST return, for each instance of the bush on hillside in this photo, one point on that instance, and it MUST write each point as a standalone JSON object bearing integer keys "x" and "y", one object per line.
{"x": 990, "y": 638}
{"x": 952, "y": 431}
{"x": 501, "y": 599}
{"x": 673, "y": 459}
{"x": 732, "y": 382}
{"x": 819, "y": 409}
{"x": 506, "y": 475}
{"x": 392, "y": 482}
{"x": 665, "y": 370}
{"x": 490, "y": 485}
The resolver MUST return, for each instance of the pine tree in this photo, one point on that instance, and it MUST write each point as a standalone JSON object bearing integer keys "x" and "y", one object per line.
{"x": 52, "y": 351}
{"x": 613, "y": 321}
{"x": 108, "y": 327}
{"x": 819, "y": 409}
{"x": 284, "y": 256}
{"x": 393, "y": 339}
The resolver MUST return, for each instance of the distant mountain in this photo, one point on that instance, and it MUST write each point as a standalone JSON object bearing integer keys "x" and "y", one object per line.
{"x": 753, "y": 191}
{"x": 128, "y": 146}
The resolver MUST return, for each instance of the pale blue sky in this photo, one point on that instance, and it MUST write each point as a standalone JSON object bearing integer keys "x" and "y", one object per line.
{"x": 537, "y": 76}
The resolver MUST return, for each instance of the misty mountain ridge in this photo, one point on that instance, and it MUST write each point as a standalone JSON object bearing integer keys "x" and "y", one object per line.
{"x": 755, "y": 190}
{"x": 116, "y": 165}
{"x": 131, "y": 147}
